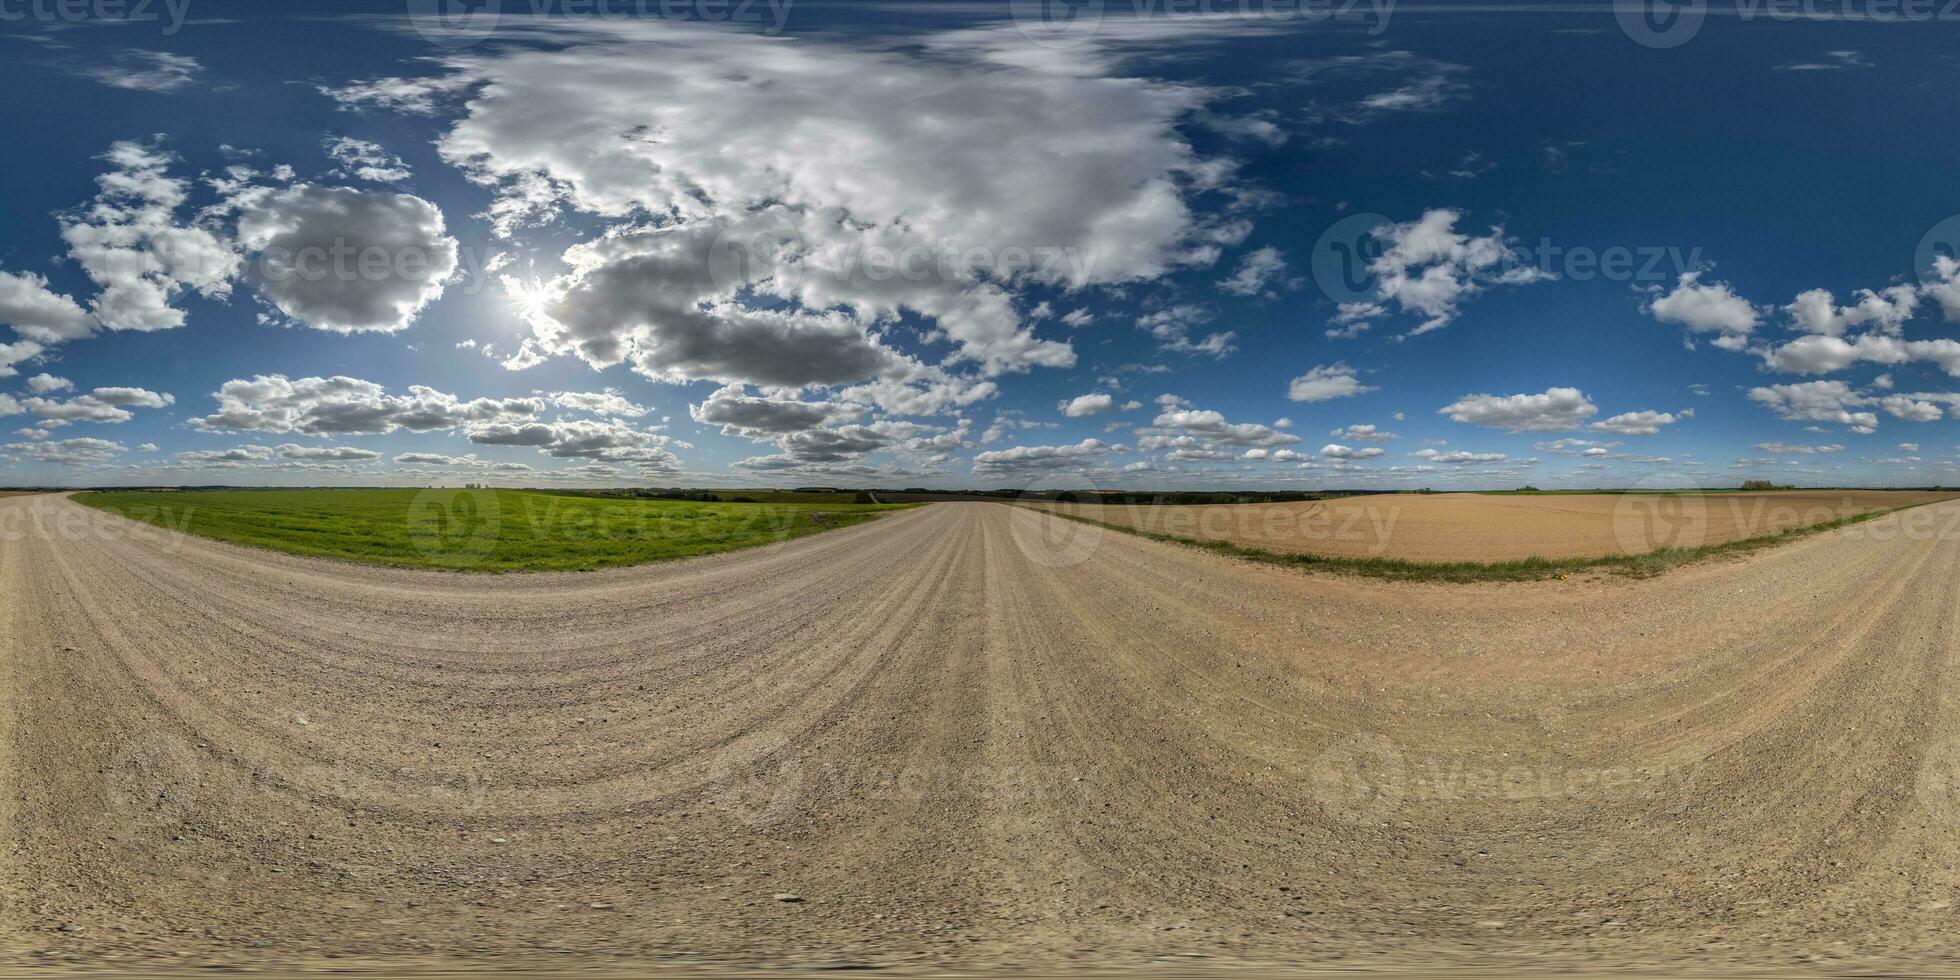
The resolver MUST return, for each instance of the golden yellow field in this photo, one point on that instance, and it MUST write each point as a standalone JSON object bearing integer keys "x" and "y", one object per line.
{"x": 1475, "y": 527}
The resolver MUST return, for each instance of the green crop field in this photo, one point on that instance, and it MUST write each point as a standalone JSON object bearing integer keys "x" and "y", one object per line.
{"x": 477, "y": 530}
{"x": 788, "y": 496}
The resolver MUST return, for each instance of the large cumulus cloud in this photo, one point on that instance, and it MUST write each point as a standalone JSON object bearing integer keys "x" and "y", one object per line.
{"x": 345, "y": 259}
{"x": 862, "y": 184}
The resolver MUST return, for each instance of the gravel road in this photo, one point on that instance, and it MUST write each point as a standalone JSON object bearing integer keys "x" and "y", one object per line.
{"x": 973, "y": 736}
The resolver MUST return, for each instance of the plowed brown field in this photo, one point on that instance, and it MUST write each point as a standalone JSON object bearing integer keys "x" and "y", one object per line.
{"x": 973, "y": 735}
{"x": 1456, "y": 527}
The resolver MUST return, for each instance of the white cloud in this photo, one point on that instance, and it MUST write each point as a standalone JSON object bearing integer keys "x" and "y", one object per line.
{"x": 43, "y": 384}
{"x": 235, "y": 456}
{"x": 1325, "y": 382}
{"x": 1641, "y": 423}
{"x": 920, "y": 391}
{"x": 650, "y": 297}
{"x": 1212, "y": 426}
{"x": 342, "y": 259}
{"x": 1461, "y": 457}
{"x": 1786, "y": 449}
{"x": 366, "y": 161}
{"x": 1576, "y": 447}
{"x": 342, "y": 454}
{"x": 1910, "y": 409}
{"x": 1172, "y": 327}
{"x": 129, "y": 242}
{"x": 285, "y": 457}
{"x": 1816, "y": 311}
{"x": 738, "y": 413}
{"x": 1944, "y": 286}
{"x": 1424, "y": 84}
{"x": 334, "y": 258}
{"x": 1262, "y": 272}
{"x": 1363, "y": 433}
{"x": 68, "y": 452}
{"x": 1822, "y": 354}
{"x": 773, "y": 148}
{"x": 414, "y": 96}
{"x": 107, "y": 406}
{"x": 1553, "y": 410}
{"x": 610, "y": 440}
{"x": 1427, "y": 268}
{"x": 1091, "y": 404}
{"x": 437, "y": 459}
{"x": 1705, "y": 308}
{"x": 1825, "y": 348}
{"x": 1817, "y": 401}
{"x": 349, "y": 406}
{"x": 147, "y": 71}
{"x": 135, "y": 397}
{"x": 16, "y": 352}
{"x": 1338, "y": 451}
{"x": 608, "y": 402}
{"x": 38, "y": 313}
{"x": 1025, "y": 460}
{"x": 1841, "y": 60}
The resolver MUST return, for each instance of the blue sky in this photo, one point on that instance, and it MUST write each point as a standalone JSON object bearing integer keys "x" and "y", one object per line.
{"x": 1416, "y": 245}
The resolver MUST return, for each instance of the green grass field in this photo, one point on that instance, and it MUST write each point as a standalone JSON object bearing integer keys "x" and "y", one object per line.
{"x": 787, "y": 496}
{"x": 477, "y": 530}
{"x": 737, "y": 496}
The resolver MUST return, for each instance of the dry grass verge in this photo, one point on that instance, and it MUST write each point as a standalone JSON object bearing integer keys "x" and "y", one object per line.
{"x": 1516, "y": 570}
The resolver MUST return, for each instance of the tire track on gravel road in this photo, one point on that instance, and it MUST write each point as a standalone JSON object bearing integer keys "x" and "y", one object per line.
{"x": 966, "y": 735}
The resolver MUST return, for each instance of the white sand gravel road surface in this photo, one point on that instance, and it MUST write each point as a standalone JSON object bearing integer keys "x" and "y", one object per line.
{"x": 973, "y": 736}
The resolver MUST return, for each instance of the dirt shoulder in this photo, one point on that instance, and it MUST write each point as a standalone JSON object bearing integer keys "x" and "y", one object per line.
{"x": 1438, "y": 529}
